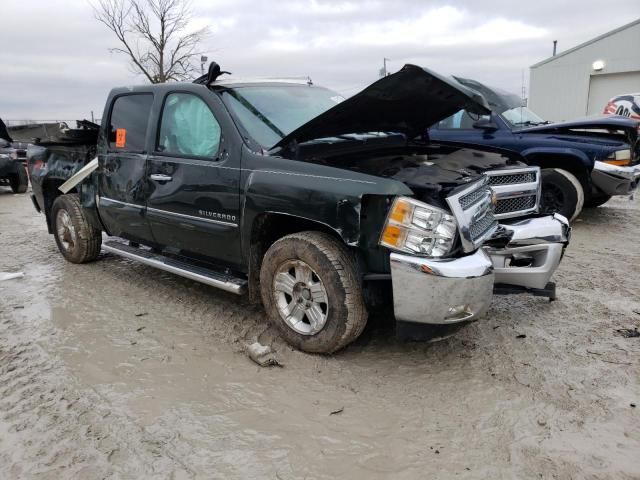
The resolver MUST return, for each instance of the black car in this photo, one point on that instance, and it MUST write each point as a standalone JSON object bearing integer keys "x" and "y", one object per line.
{"x": 583, "y": 162}
{"x": 12, "y": 163}
{"x": 307, "y": 202}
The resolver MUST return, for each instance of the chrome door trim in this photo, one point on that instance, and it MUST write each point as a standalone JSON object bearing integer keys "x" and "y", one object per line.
{"x": 111, "y": 200}
{"x": 190, "y": 217}
{"x": 167, "y": 212}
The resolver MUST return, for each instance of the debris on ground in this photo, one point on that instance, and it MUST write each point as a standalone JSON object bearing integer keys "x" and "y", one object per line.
{"x": 10, "y": 275}
{"x": 337, "y": 412}
{"x": 628, "y": 332}
{"x": 522, "y": 335}
{"x": 263, "y": 355}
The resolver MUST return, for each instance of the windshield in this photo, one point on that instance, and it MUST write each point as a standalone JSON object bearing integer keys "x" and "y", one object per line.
{"x": 507, "y": 105}
{"x": 521, "y": 117}
{"x": 270, "y": 112}
{"x": 510, "y": 108}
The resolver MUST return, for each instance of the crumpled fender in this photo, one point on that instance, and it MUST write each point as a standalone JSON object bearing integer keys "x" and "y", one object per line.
{"x": 325, "y": 195}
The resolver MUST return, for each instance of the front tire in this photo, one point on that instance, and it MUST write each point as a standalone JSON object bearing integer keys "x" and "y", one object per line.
{"x": 312, "y": 292}
{"x": 562, "y": 193}
{"x": 20, "y": 182}
{"x": 77, "y": 240}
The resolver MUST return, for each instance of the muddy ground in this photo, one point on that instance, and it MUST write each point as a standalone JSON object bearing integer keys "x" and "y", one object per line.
{"x": 115, "y": 370}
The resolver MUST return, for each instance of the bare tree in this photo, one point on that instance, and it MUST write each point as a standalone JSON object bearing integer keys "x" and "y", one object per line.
{"x": 154, "y": 35}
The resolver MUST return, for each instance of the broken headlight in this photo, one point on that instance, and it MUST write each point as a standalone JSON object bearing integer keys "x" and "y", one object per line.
{"x": 417, "y": 228}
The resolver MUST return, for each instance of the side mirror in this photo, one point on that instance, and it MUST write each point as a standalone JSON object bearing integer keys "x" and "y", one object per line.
{"x": 485, "y": 123}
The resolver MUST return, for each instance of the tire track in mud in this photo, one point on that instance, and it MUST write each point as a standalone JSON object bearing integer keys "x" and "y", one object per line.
{"x": 50, "y": 426}
{"x": 64, "y": 430}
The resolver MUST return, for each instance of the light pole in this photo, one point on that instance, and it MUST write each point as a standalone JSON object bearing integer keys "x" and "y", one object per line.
{"x": 203, "y": 60}
{"x": 383, "y": 70}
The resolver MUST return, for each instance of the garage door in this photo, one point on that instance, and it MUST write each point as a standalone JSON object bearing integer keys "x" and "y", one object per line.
{"x": 603, "y": 87}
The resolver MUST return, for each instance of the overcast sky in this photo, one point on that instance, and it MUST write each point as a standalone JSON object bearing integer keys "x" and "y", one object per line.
{"x": 55, "y": 61}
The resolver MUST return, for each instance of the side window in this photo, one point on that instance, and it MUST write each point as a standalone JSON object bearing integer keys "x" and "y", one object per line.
{"x": 188, "y": 127}
{"x": 460, "y": 120}
{"x": 129, "y": 118}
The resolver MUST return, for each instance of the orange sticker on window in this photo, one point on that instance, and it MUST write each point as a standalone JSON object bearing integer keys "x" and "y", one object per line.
{"x": 121, "y": 137}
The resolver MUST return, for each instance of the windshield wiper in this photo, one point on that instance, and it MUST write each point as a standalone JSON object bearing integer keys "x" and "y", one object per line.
{"x": 259, "y": 115}
{"x": 529, "y": 123}
{"x": 362, "y": 137}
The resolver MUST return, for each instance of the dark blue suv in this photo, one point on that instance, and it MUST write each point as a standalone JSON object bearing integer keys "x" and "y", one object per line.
{"x": 583, "y": 162}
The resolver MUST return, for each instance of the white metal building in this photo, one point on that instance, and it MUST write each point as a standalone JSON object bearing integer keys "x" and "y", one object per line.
{"x": 579, "y": 81}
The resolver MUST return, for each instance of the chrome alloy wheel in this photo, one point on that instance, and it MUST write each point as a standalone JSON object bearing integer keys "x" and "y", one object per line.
{"x": 301, "y": 297}
{"x": 66, "y": 231}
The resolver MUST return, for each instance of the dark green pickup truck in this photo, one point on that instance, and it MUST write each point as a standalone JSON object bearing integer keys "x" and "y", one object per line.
{"x": 285, "y": 190}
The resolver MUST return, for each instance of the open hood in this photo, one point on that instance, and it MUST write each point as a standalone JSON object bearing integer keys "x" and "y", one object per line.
{"x": 408, "y": 102}
{"x": 599, "y": 129}
{"x": 602, "y": 122}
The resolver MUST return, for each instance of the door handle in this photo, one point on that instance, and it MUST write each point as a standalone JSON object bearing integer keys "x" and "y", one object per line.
{"x": 159, "y": 177}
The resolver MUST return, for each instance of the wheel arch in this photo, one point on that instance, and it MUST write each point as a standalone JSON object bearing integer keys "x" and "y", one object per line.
{"x": 49, "y": 193}
{"x": 266, "y": 229}
{"x": 573, "y": 161}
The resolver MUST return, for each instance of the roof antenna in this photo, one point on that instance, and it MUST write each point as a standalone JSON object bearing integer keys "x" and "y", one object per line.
{"x": 214, "y": 72}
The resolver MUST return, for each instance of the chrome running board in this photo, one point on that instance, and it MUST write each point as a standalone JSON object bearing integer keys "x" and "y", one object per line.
{"x": 213, "y": 278}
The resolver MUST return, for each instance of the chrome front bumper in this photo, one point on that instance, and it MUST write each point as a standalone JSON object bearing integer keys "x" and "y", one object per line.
{"x": 452, "y": 290}
{"x": 441, "y": 291}
{"x": 533, "y": 252}
{"x": 615, "y": 180}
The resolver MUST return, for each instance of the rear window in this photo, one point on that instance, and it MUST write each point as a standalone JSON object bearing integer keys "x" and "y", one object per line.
{"x": 128, "y": 122}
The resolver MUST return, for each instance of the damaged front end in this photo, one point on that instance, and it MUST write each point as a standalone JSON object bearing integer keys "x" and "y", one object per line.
{"x": 525, "y": 254}
{"x": 524, "y": 251}
{"x": 518, "y": 256}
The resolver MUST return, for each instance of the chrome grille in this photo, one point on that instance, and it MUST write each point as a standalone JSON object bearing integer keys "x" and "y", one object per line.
{"x": 469, "y": 199}
{"x": 517, "y": 191}
{"x": 510, "y": 179}
{"x": 473, "y": 210}
{"x": 482, "y": 226}
{"x": 516, "y": 204}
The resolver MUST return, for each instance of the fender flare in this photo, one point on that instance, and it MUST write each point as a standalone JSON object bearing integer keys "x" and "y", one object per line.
{"x": 587, "y": 162}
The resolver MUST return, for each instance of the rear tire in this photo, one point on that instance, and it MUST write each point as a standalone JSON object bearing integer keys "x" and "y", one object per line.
{"x": 597, "y": 200}
{"x": 562, "y": 193}
{"x": 20, "y": 182}
{"x": 312, "y": 292}
{"x": 77, "y": 240}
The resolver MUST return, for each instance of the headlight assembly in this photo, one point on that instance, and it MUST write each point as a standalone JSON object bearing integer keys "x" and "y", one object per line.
{"x": 417, "y": 228}
{"x": 619, "y": 158}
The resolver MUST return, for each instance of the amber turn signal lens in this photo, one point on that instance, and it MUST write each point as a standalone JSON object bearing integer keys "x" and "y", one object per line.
{"x": 619, "y": 163}
{"x": 400, "y": 212}
{"x": 392, "y": 235}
